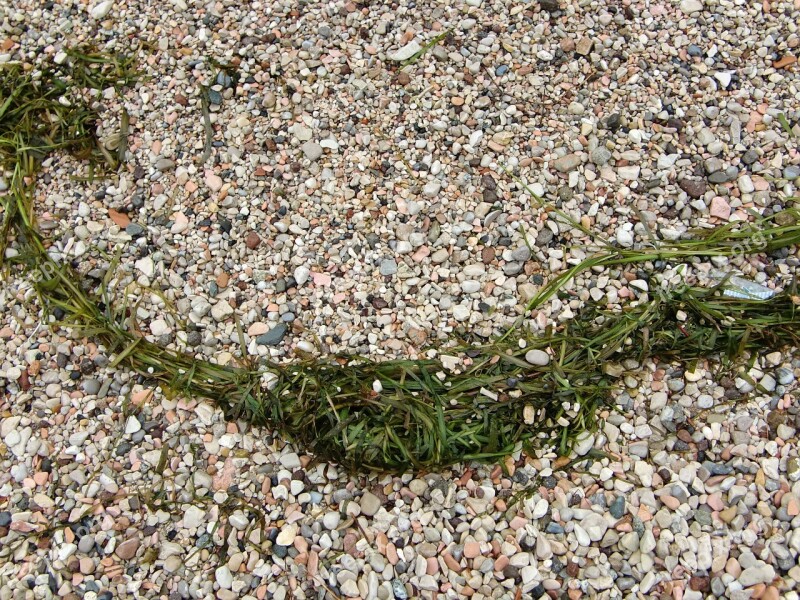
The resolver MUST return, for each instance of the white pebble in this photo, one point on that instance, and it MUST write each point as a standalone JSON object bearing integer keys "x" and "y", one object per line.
{"x": 540, "y": 358}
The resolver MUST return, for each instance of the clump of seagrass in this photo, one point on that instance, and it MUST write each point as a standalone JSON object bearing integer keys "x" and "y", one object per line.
{"x": 425, "y": 416}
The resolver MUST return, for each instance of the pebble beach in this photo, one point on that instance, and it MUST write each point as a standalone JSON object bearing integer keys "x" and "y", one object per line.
{"x": 310, "y": 178}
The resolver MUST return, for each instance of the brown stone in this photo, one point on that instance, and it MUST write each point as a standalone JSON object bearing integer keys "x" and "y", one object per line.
{"x": 699, "y": 584}
{"x": 432, "y": 566}
{"x": 313, "y": 563}
{"x": 127, "y": 549}
{"x": 584, "y": 46}
{"x": 418, "y": 337}
{"x": 770, "y": 593}
{"x": 86, "y": 565}
{"x": 403, "y": 78}
{"x": 728, "y": 514}
{"x": 252, "y": 240}
{"x": 391, "y": 554}
{"x": 120, "y": 219}
{"x": 785, "y": 62}
{"x": 694, "y": 187}
{"x": 349, "y": 544}
{"x": 670, "y": 502}
{"x": 501, "y": 563}
{"x": 451, "y": 563}
{"x": 472, "y": 549}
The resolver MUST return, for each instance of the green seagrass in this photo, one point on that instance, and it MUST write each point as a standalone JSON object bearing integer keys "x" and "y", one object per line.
{"x": 425, "y": 416}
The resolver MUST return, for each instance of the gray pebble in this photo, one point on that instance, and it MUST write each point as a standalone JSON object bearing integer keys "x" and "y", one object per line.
{"x": 86, "y": 543}
{"x": 523, "y": 254}
{"x": 164, "y": 164}
{"x": 312, "y": 150}
{"x": 567, "y": 163}
{"x": 273, "y": 336}
{"x": 617, "y": 507}
{"x": 544, "y": 237}
{"x": 694, "y": 50}
{"x": 791, "y": 172}
{"x": 388, "y": 267}
{"x": 785, "y": 376}
{"x": 91, "y": 386}
{"x": 399, "y": 590}
{"x": 134, "y": 229}
{"x": 750, "y": 156}
{"x": 600, "y": 155}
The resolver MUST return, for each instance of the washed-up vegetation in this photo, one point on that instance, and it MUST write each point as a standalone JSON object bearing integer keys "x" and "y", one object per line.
{"x": 484, "y": 402}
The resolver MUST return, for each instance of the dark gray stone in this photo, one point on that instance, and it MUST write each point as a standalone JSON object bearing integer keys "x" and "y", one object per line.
{"x": 617, "y": 508}
{"x": 274, "y": 336}
{"x": 695, "y": 188}
{"x": 750, "y": 156}
{"x": 134, "y": 229}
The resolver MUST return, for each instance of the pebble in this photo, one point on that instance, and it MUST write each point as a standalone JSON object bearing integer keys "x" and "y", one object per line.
{"x": 221, "y": 311}
{"x": 290, "y": 461}
{"x": 584, "y": 442}
{"x": 758, "y": 573}
{"x": 689, "y": 7}
{"x": 193, "y": 517}
{"x": 584, "y": 46}
{"x": 470, "y": 287}
{"x": 388, "y": 267}
{"x": 431, "y": 189}
{"x": 406, "y": 52}
{"x": 540, "y": 358}
{"x": 629, "y": 173}
{"x": 625, "y": 238}
{"x": 331, "y": 520}
{"x": 302, "y": 275}
{"x": 461, "y": 312}
{"x": 791, "y": 172}
{"x": 720, "y": 208}
{"x": 600, "y": 155}
{"x": 127, "y": 549}
{"x": 213, "y": 181}
{"x": 370, "y": 504}
{"x": 312, "y": 150}
{"x": 694, "y": 188}
{"x": 274, "y": 336}
{"x": 287, "y": 535}
{"x": 724, "y": 78}
{"x": 617, "y": 507}
{"x": 567, "y": 163}
{"x": 224, "y": 577}
{"x": 101, "y": 9}
{"x": 132, "y": 425}
{"x": 253, "y": 240}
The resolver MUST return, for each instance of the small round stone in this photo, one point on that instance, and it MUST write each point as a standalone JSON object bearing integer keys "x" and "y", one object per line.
{"x": 539, "y": 358}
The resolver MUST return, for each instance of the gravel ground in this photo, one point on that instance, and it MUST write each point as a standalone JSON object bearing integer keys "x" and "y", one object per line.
{"x": 350, "y": 205}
